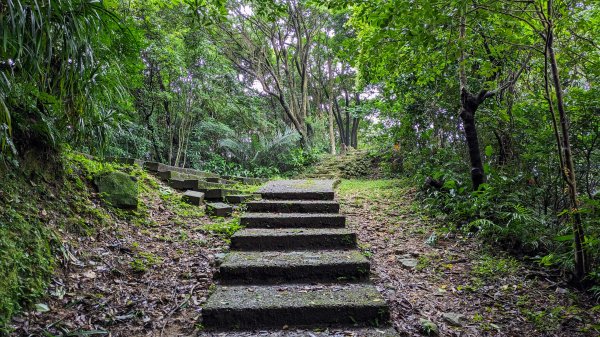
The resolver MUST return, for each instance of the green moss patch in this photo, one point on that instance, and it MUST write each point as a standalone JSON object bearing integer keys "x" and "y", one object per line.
{"x": 118, "y": 189}
{"x": 26, "y": 262}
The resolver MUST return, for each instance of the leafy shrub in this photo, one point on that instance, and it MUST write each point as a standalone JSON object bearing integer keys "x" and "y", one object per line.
{"x": 496, "y": 212}
{"x": 503, "y": 213}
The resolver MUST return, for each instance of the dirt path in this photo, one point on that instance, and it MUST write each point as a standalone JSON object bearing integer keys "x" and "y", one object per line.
{"x": 451, "y": 281}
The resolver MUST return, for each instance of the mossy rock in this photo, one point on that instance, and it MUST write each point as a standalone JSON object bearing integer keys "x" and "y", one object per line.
{"x": 118, "y": 188}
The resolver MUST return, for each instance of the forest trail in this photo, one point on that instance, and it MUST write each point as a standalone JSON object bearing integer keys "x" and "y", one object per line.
{"x": 295, "y": 264}
{"x": 434, "y": 283}
{"x": 134, "y": 135}
{"x": 150, "y": 273}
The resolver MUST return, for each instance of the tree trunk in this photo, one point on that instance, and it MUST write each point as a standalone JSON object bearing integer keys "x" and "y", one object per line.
{"x": 331, "y": 130}
{"x": 502, "y": 156}
{"x": 347, "y": 140}
{"x": 354, "y": 137}
{"x": 568, "y": 168}
{"x": 355, "y": 124}
{"x": 330, "y": 112}
{"x": 469, "y": 105}
{"x": 147, "y": 120}
{"x": 340, "y": 122}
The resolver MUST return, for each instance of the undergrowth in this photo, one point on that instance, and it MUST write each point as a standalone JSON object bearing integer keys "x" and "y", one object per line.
{"x": 509, "y": 217}
{"x": 40, "y": 200}
{"x": 45, "y": 202}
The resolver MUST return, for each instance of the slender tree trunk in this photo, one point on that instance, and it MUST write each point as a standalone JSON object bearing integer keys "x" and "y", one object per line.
{"x": 147, "y": 119}
{"x": 567, "y": 166}
{"x": 354, "y": 137}
{"x": 181, "y": 141}
{"x": 331, "y": 130}
{"x": 187, "y": 145}
{"x": 355, "y": 124}
{"x": 347, "y": 141}
{"x": 148, "y": 116}
{"x": 330, "y": 111}
{"x": 502, "y": 156}
{"x": 340, "y": 122}
{"x": 469, "y": 105}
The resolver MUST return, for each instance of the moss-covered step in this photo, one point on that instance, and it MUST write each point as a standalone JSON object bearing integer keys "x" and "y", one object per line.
{"x": 293, "y": 220}
{"x": 216, "y": 194}
{"x": 293, "y": 239}
{"x": 192, "y": 184}
{"x": 192, "y": 171}
{"x": 220, "y": 181}
{"x": 243, "y": 307}
{"x": 188, "y": 171}
{"x": 250, "y": 267}
{"x": 246, "y": 180}
{"x": 203, "y": 185}
{"x": 308, "y": 189}
{"x": 183, "y": 184}
{"x": 218, "y": 209}
{"x": 294, "y": 206}
{"x": 237, "y": 199}
{"x": 193, "y": 198}
{"x": 154, "y": 166}
{"x": 168, "y": 175}
{"x": 159, "y": 167}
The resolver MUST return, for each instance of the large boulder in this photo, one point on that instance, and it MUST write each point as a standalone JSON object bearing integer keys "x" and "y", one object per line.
{"x": 118, "y": 188}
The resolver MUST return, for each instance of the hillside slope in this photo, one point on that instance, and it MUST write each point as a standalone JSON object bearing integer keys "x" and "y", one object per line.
{"x": 352, "y": 164}
{"x": 71, "y": 263}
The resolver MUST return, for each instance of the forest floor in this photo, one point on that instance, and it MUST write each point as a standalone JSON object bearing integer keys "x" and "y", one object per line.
{"x": 150, "y": 277}
{"x": 144, "y": 273}
{"x": 451, "y": 280}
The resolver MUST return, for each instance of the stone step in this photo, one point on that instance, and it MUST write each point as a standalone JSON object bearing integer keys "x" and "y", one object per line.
{"x": 216, "y": 194}
{"x": 293, "y": 239}
{"x": 170, "y": 175}
{"x": 298, "y": 190}
{"x": 320, "y": 330}
{"x": 294, "y": 305}
{"x": 246, "y": 180}
{"x": 154, "y": 166}
{"x": 218, "y": 209}
{"x": 298, "y": 195}
{"x": 239, "y": 198}
{"x": 159, "y": 167}
{"x": 293, "y": 220}
{"x": 294, "y": 206}
{"x": 193, "y": 198}
{"x": 193, "y": 184}
{"x": 273, "y": 267}
{"x": 167, "y": 175}
{"x": 183, "y": 184}
{"x": 203, "y": 185}
{"x": 221, "y": 181}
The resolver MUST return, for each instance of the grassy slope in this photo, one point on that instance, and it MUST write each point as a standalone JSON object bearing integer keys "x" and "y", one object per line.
{"x": 64, "y": 250}
{"x": 496, "y": 294}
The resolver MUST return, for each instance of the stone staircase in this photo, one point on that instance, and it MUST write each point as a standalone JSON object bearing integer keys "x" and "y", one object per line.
{"x": 199, "y": 187}
{"x": 295, "y": 265}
